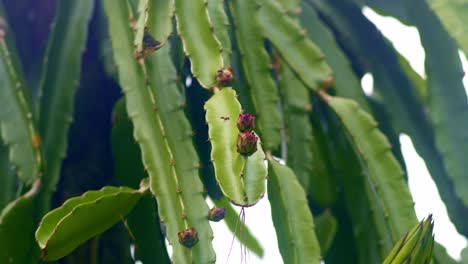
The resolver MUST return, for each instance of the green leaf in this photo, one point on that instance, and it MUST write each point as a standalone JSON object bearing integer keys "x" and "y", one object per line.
{"x": 384, "y": 171}
{"x": 448, "y": 103}
{"x": 81, "y": 218}
{"x": 292, "y": 218}
{"x": 295, "y": 48}
{"x": 60, "y": 79}
{"x": 17, "y": 128}
{"x": 200, "y": 43}
{"x": 326, "y": 226}
{"x": 257, "y": 68}
{"x": 238, "y": 228}
{"x": 241, "y": 179}
{"x": 452, "y": 14}
{"x": 17, "y": 230}
{"x": 220, "y": 22}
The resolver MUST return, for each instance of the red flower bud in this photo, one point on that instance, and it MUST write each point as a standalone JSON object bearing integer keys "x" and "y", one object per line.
{"x": 188, "y": 237}
{"x": 247, "y": 143}
{"x": 225, "y": 77}
{"x": 216, "y": 214}
{"x": 246, "y": 122}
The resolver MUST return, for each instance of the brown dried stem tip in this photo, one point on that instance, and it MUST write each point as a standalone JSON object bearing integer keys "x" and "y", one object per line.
{"x": 149, "y": 45}
{"x": 246, "y": 122}
{"x": 188, "y": 237}
{"x": 225, "y": 77}
{"x": 216, "y": 214}
{"x": 247, "y": 143}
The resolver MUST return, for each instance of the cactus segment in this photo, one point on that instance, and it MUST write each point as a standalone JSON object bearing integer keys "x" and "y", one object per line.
{"x": 142, "y": 222}
{"x": 346, "y": 83}
{"x": 8, "y": 179}
{"x": 440, "y": 255}
{"x": 448, "y": 103}
{"x": 145, "y": 230}
{"x": 140, "y": 27}
{"x": 128, "y": 167}
{"x": 257, "y": 68}
{"x": 147, "y": 130}
{"x": 304, "y": 155}
{"x": 291, "y": 6}
{"x": 370, "y": 226}
{"x": 384, "y": 171}
{"x": 17, "y": 230}
{"x": 291, "y": 215}
{"x": 178, "y": 133}
{"x": 240, "y": 179}
{"x": 406, "y": 112}
{"x": 452, "y": 14}
{"x": 220, "y": 23}
{"x": 81, "y": 218}
{"x": 326, "y": 226}
{"x": 238, "y": 228}
{"x": 160, "y": 19}
{"x": 294, "y": 46}
{"x": 59, "y": 82}
{"x": 200, "y": 44}
{"x": 299, "y": 133}
{"x": 17, "y": 127}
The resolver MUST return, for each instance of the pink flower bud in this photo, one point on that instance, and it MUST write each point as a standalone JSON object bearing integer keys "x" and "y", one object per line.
{"x": 216, "y": 214}
{"x": 225, "y": 77}
{"x": 246, "y": 122}
{"x": 247, "y": 143}
{"x": 188, "y": 237}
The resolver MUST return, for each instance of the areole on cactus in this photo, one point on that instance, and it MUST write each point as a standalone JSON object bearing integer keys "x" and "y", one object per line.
{"x": 225, "y": 100}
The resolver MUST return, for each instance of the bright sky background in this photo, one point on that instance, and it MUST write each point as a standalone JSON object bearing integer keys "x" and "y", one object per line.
{"x": 423, "y": 189}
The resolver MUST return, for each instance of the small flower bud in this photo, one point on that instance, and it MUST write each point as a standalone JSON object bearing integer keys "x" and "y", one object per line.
{"x": 246, "y": 122}
{"x": 188, "y": 237}
{"x": 247, "y": 143}
{"x": 216, "y": 214}
{"x": 225, "y": 76}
